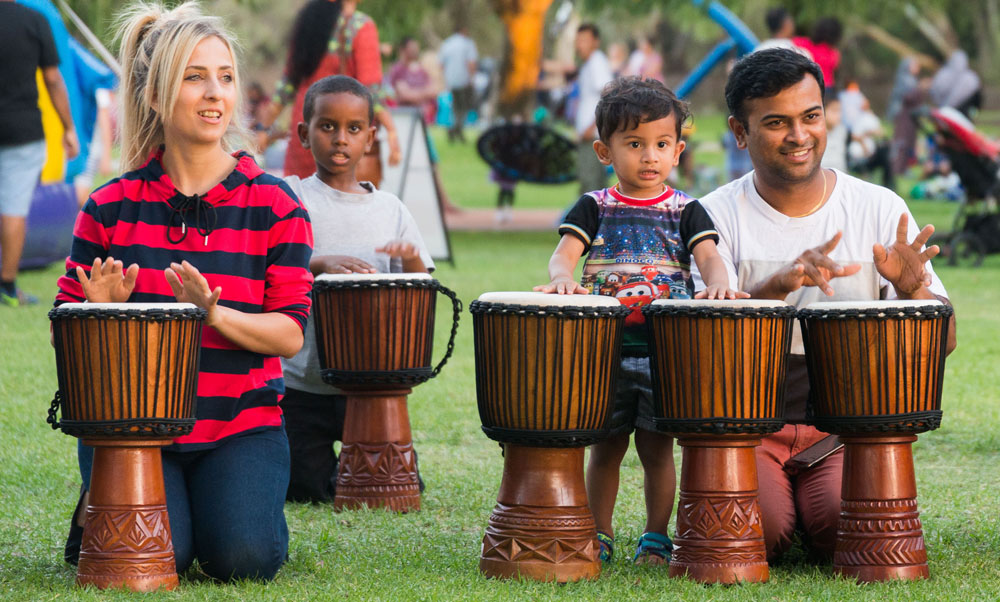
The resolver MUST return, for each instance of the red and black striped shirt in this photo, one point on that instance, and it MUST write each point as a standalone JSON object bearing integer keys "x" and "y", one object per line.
{"x": 250, "y": 235}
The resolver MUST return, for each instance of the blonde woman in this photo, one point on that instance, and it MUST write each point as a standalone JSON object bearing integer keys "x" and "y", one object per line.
{"x": 196, "y": 220}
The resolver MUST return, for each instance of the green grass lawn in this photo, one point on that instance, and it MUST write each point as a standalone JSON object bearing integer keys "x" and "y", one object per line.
{"x": 433, "y": 554}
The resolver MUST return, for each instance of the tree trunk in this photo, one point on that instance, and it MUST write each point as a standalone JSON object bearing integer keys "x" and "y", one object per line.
{"x": 524, "y": 21}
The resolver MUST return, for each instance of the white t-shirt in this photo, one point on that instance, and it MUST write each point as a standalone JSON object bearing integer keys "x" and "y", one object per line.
{"x": 594, "y": 75}
{"x": 347, "y": 224}
{"x": 756, "y": 240}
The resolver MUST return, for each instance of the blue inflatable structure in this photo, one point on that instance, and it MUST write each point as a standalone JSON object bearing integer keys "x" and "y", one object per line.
{"x": 54, "y": 206}
{"x": 740, "y": 38}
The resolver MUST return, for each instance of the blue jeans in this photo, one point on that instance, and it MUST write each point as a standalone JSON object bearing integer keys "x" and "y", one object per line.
{"x": 226, "y": 505}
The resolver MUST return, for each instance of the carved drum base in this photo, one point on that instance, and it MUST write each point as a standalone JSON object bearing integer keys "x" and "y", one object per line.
{"x": 541, "y": 527}
{"x": 879, "y": 536}
{"x": 126, "y": 540}
{"x": 719, "y": 534}
{"x": 378, "y": 467}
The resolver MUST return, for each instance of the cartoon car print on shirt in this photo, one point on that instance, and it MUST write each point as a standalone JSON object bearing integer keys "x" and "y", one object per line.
{"x": 636, "y": 293}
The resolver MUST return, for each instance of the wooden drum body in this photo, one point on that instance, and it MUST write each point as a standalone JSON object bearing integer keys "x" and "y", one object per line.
{"x": 375, "y": 334}
{"x": 546, "y": 367}
{"x": 718, "y": 372}
{"x": 876, "y": 371}
{"x": 128, "y": 376}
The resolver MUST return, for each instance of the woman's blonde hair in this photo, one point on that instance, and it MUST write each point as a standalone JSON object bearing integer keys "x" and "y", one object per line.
{"x": 156, "y": 45}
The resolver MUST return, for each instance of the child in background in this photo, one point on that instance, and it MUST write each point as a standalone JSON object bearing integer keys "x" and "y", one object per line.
{"x": 639, "y": 236}
{"x": 357, "y": 229}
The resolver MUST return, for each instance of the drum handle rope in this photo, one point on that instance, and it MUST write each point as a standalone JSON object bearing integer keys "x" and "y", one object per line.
{"x": 456, "y": 304}
{"x": 54, "y": 407}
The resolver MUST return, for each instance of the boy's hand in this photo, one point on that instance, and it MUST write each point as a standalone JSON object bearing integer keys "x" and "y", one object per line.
{"x": 562, "y": 286}
{"x": 400, "y": 248}
{"x": 340, "y": 264}
{"x": 108, "y": 282}
{"x": 715, "y": 291}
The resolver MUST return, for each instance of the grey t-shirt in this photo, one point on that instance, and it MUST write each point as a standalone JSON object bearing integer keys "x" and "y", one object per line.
{"x": 347, "y": 224}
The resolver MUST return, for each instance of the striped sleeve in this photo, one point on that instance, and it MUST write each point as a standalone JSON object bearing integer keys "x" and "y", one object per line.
{"x": 582, "y": 221}
{"x": 287, "y": 279}
{"x": 696, "y": 225}
{"x": 91, "y": 239}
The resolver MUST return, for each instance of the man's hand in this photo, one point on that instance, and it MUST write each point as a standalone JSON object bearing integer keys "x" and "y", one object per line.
{"x": 71, "y": 144}
{"x": 902, "y": 263}
{"x": 108, "y": 282}
{"x": 812, "y": 268}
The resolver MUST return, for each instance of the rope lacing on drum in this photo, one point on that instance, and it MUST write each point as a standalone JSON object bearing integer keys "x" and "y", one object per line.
{"x": 396, "y": 377}
{"x": 555, "y": 311}
{"x": 918, "y": 312}
{"x": 181, "y": 206}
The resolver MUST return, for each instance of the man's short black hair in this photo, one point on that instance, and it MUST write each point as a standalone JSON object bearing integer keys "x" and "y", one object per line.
{"x": 591, "y": 28}
{"x": 764, "y": 74}
{"x": 775, "y": 18}
{"x": 335, "y": 84}
{"x": 628, "y": 101}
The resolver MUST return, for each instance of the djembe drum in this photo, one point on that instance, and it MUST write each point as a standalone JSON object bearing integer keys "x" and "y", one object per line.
{"x": 375, "y": 333}
{"x": 545, "y": 380}
{"x": 718, "y": 372}
{"x": 875, "y": 375}
{"x": 128, "y": 376}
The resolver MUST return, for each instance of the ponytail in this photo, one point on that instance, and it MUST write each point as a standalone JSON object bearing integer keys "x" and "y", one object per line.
{"x": 155, "y": 45}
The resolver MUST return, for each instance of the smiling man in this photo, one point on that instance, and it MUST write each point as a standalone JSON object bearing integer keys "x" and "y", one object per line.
{"x": 793, "y": 231}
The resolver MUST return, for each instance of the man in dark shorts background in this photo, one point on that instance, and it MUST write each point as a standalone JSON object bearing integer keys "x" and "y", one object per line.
{"x": 26, "y": 44}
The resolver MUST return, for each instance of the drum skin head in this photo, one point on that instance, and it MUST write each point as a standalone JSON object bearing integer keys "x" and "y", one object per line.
{"x": 721, "y": 303}
{"x": 373, "y": 277}
{"x": 531, "y": 298}
{"x": 84, "y": 307}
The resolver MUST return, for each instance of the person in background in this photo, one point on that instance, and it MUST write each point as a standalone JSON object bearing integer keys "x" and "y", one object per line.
{"x": 907, "y": 80}
{"x": 617, "y": 58}
{"x": 26, "y": 44}
{"x": 594, "y": 74}
{"x": 822, "y": 46}
{"x": 330, "y": 38}
{"x": 781, "y": 26}
{"x": 99, "y": 157}
{"x": 837, "y": 136}
{"x": 956, "y": 85}
{"x": 868, "y": 149}
{"x": 412, "y": 85}
{"x": 645, "y": 61}
{"x": 458, "y": 56}
{"x": 903, "y": 153}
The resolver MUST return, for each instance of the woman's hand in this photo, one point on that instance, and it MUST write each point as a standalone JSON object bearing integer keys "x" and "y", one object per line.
{"x": 108, "y": 281}
{"x": 189, "y": 286}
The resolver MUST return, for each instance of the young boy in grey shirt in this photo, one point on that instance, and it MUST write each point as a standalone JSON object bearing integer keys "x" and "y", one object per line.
{"x": 356, "y": 229}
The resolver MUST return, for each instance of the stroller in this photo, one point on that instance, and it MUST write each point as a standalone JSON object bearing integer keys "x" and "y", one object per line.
{"x": 976, "y": 228}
